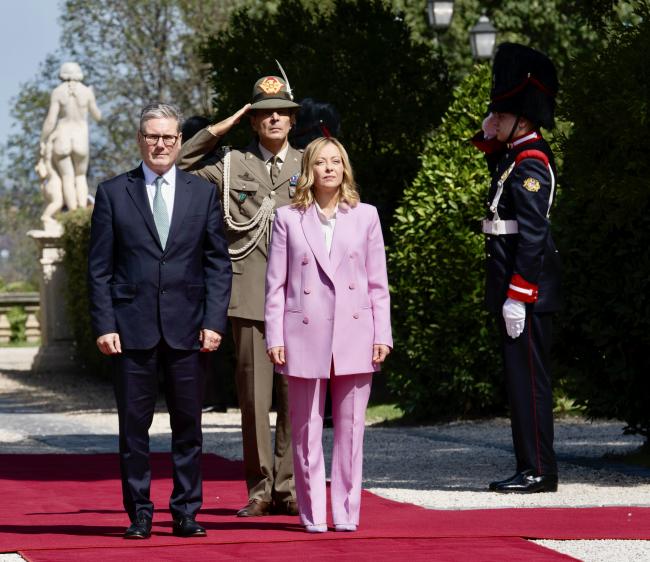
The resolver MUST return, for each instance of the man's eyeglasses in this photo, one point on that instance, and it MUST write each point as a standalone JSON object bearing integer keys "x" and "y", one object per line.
{"x": 168, "y": 140}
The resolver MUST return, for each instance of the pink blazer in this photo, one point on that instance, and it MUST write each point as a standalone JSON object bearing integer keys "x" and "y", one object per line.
{"x": 321, "y": 306}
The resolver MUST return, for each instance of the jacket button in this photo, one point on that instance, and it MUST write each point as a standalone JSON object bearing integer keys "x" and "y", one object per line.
{"x": 352, "y": 286}
{"x": 162, "y": 291}
{"x": 305, "y": 320}
{"x": 163, "y": 262}
{"x": 305, "y": 261}
{"x": 307, "y": 291}
{"x": 355, "y": 315}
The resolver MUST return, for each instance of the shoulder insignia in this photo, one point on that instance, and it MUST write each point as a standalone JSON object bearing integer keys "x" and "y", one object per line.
{"x": 537, "y": 154}
{"x": 531, "y": 184}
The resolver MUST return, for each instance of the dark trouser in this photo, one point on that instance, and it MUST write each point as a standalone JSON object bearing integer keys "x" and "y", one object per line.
{"x": 136, "y": 388}
{"x": 268, "y": 472}
{"x": 528, "y": 377}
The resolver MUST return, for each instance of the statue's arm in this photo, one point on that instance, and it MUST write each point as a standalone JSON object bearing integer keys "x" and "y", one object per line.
{"x": 52, "y": 115}
{"x": 92, "y": 105}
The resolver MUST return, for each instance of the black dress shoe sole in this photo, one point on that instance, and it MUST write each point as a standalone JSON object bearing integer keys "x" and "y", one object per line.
{"x": 532, "y": 490}
{"x": 137, "y": 536}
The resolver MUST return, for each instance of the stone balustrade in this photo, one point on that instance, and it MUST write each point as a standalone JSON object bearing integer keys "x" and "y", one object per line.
{"x": 30, "y": 303}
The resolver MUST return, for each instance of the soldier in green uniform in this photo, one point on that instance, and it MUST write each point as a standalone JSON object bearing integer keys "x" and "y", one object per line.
{"x": 255, "y": 181}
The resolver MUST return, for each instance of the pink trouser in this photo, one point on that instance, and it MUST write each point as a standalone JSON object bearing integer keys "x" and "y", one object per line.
{"x": 350, "y": 395}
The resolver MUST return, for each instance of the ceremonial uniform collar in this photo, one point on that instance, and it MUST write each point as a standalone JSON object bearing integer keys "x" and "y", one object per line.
{"x": 529, "y": 137}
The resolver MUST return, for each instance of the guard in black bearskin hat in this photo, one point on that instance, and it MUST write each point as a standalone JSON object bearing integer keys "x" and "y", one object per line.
{"x": 523, "y": 266}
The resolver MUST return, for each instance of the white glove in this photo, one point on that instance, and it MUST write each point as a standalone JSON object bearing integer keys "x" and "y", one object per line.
{"x": 489, "y": 127}
{"x": 514, "y": 313}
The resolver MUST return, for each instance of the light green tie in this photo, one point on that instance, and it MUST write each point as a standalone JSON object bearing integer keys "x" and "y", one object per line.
{"x": 160, "y": 214}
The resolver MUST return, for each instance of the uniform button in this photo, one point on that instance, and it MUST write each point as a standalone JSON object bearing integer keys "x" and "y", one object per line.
{"x": 272, "y": 194}
{"x": 489, "y": 255}
{"x": 352, "y": 286}
{"x": 307, "y": 291}
{"x": 355, "y": 315}
{"x": 305, "y": 320}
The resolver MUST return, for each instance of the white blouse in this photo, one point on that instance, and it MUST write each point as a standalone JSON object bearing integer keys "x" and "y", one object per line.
{"x": 327, "y": 225}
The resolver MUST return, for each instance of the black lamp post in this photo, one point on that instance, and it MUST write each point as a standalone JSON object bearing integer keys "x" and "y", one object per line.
{"x": 440, "y": 13}
{"x": 482, "y": 38}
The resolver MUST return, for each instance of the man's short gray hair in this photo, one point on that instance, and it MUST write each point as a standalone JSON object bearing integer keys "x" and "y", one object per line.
{"x": 159, "y": 110}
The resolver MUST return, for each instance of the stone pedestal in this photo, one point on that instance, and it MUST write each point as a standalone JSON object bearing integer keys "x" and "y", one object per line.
{"x": 56, "y": 352}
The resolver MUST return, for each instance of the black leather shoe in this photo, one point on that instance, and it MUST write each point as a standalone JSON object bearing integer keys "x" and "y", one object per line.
{"x": 187, "y": 527}
{"x": 494, "y": 485}
{"x": 528, "y": 483}
{"x": 139, "y": 529}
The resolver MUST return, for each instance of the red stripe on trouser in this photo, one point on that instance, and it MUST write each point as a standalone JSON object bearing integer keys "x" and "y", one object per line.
{"x": 531, "y": 368}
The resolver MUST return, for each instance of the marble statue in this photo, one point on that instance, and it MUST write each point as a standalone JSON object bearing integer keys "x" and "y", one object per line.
{"x": 64, "y": 144}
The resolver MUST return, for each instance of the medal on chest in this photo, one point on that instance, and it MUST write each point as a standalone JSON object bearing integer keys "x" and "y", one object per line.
{"x": 293, "y": 182}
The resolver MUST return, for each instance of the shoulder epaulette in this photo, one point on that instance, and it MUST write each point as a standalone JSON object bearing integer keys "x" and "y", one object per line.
{"x": 536, "y": 154}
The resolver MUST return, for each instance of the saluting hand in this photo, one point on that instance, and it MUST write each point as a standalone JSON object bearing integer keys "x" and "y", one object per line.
{"x": 221, "y": 128}
{"x": 209, "y": 339}
{"x": 276, "y": 355}
{"x": 379, "y": 352}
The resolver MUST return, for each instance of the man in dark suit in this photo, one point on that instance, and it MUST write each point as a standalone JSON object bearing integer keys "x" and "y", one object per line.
{"x": 159, "y": 278}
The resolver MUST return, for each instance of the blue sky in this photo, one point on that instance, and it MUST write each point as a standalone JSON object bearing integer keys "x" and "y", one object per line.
{"x": 29, "y": 30}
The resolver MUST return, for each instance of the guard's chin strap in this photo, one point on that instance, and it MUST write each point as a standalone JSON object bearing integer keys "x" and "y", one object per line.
{"x": 514, "y": 128}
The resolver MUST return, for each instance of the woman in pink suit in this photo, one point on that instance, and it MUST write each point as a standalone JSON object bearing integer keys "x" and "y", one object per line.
{"x": 327, "y": 316}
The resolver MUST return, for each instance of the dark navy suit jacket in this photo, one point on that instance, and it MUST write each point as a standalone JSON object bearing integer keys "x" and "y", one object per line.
{"x": 143, "y": 292}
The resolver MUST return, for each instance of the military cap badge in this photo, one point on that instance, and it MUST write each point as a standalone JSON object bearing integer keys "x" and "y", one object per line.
{"x": 531, "y": 184}
{"x": 270, "y": 85}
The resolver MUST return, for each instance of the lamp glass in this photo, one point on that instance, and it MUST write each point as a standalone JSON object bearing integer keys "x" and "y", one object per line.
{"x": 440, "y": 13}
{"x": 482, "y": 38}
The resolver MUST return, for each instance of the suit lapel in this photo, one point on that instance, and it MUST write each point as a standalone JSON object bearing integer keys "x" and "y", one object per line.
{"x": 182, "y": 198}
{"x": 138, "y": 193}
{"x": 343, "y": 233}
{"x": 311, "y": 227}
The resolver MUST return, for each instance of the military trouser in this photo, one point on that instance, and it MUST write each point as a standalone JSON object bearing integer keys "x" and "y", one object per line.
{"x": 268, "y": 471}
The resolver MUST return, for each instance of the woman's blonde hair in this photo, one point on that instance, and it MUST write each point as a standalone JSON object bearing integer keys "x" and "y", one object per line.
{"x": 304, "y": 196}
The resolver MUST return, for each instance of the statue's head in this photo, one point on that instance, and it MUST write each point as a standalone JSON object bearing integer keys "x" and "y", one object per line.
{"x": 71, "y": 71}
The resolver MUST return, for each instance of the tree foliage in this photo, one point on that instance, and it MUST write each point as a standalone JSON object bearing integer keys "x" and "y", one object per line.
{"x": 446, "y": 360}
{"x": 388, "y": 89}
{"x": 132, "y": 52}
{"x": 548, "y": 25}
{"x": 604, "y": 219}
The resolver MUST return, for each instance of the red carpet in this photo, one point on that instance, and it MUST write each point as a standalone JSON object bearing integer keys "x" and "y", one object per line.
{"x": 68, "y": 507}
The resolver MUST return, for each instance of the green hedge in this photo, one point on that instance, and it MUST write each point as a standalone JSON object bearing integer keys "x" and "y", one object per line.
{"x": 446, "y": 362}
{"x": 604, "y": 234}
{"x": 75, "y": 241}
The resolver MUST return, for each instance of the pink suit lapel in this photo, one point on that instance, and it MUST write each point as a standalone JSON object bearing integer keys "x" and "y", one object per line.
{"x": 311, "y": 227}
{"x": 343, "y": 233}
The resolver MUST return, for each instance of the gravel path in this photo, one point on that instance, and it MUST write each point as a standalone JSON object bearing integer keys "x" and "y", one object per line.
{"x": 439, "y": 467}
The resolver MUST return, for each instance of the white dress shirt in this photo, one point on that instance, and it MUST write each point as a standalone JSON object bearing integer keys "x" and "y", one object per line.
{"x": 268, "y": 156}
{"x": 167, "y": 189}
{"x": 327, "y": 225}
